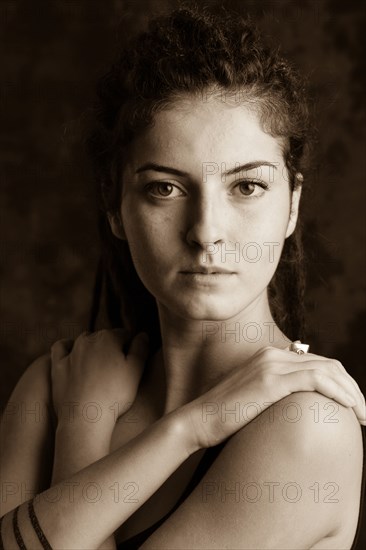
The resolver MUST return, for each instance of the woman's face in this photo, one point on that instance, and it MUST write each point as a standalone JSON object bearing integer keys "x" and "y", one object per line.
{"x": 185, "y": 213}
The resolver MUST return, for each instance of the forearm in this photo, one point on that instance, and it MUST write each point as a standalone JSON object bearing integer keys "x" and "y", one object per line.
{"x": 84, "y": 510}
{"x": 76, "y": 447}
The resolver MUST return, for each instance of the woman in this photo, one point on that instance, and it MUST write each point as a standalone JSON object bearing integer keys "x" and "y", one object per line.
{"x": 216, "y": 434}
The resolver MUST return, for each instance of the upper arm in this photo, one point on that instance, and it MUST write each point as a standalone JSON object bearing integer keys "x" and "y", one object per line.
{"x": 286, "y": 480}
{"x": 27, "y": 437}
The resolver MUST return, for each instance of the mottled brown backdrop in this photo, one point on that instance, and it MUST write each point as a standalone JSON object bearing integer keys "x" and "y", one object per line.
{"x": 52, "y": 52}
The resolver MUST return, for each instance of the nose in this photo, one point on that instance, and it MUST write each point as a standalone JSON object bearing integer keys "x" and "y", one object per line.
{"x": 206, "y": 222}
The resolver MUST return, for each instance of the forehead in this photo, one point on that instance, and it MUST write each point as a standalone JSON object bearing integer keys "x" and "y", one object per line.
{"x": 192, "y": 130}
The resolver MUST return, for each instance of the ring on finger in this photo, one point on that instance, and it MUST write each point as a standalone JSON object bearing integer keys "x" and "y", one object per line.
{"x": 299, "y": 348}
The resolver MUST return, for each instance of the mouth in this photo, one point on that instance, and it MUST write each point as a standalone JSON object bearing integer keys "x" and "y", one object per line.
{"x": 207, "y": 276}
{"x": 208, "y": 271}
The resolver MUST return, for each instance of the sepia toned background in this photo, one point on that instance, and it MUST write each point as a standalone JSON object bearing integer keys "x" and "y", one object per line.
{"x": 52, "y": 53}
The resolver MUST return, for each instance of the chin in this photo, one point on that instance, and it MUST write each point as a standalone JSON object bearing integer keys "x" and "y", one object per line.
{"x": 210, "y": 308}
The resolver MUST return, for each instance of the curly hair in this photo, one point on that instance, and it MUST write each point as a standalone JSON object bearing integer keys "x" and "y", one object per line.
{"x": 197, "y": 51}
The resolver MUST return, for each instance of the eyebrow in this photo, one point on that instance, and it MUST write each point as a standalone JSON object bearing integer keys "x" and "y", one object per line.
{"x": 170, "y": 170}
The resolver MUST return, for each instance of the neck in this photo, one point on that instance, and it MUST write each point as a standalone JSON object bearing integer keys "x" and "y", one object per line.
{"x": 195, "y": 354}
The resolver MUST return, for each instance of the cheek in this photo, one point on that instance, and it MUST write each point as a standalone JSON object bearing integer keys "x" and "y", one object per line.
{"x": 277, "y": 212}
{"x": 262, "y": 224}
{"x": 147, "y": 236}
{"x": 262, "y": 236}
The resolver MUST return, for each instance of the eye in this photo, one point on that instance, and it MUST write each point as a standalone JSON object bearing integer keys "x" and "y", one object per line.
{"x": 251, "y": 188}
{"x": 163, "y": 189}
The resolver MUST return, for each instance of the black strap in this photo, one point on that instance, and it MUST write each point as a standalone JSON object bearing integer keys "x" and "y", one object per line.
{"x": 36, "y": 526}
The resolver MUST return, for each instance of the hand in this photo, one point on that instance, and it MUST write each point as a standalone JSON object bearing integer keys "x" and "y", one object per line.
{"x": 92, "y": 378}
{"x": 270, "y": 375}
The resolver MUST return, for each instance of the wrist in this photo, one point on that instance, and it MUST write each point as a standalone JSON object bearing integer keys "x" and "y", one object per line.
{"x": 181, "y": 424}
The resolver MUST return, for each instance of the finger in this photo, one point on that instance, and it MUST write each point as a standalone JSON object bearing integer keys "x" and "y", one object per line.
{"x": 352, "y": 380}
{"x": 359, "y": 408}
{"x": 331, "y": 369}
{"x": 60, "y": 349}
{"x": 312, "y": 356}
{"x": 361, "y": 404}
{"x": 120, "y": 338}
{"x": 332, "y": 364}
{"x": 328, "y": 386}
{"x": 340, "y": 367}
{"x": 315, "y": 380}
{"x": 310, "y": 361}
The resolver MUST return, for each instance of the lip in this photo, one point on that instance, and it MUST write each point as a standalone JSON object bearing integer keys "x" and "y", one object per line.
{"x": 206, "y": 279}
{"x": 203, "y": 270}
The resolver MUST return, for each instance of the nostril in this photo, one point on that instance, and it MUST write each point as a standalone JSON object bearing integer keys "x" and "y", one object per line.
{"x": 205, "y": 231}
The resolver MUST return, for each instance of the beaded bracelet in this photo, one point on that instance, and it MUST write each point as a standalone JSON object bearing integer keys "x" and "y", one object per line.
{"x": 36, "y": 526}
{"x": 18, "y": 536}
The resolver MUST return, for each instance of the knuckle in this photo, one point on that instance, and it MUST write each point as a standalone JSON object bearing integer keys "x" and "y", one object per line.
{"x": 54, "y": 345}
{"x": 99, "y": 335}
{"x": 338, "y": 364}
{"x": 82, "y": 336}
{"x": 86, "y": 336}
{"x": 318, "y": 376}
{"x": 80, "y": 339}
{"x": 267, "y": 352}
{"x": 58, "y": 344}
{"x": 333, "y": 366}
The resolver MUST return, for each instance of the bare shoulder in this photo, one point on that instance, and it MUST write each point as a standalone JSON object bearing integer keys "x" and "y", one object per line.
{"x": 38, "y": 373}
{"x": 311, "y": 423}
{"x": 311, "y": 448}
{"x": 34, "y": 385}
{"x": 303, "y": 416}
